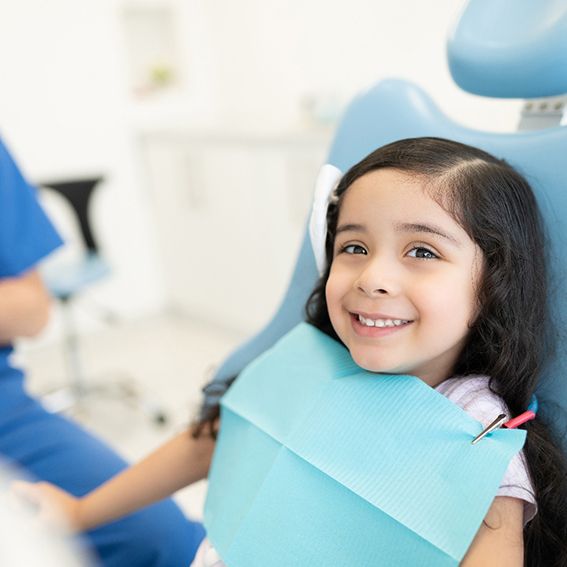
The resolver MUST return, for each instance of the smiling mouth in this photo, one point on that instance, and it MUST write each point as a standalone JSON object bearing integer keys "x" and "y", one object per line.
{"x": 380, "y": 322}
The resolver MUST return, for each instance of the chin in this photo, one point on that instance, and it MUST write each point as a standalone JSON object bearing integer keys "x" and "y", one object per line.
{"x": 370, "y": 365}
{"x": 378, "y": 365}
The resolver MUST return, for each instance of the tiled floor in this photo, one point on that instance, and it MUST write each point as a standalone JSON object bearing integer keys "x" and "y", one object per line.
{"x": 167, "y": 357}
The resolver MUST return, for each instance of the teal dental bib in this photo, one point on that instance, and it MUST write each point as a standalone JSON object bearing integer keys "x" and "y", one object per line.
{"x": 321, "y": 463}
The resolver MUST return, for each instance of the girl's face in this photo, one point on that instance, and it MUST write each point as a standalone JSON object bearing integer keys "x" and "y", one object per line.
{"x": 401, "y": 292}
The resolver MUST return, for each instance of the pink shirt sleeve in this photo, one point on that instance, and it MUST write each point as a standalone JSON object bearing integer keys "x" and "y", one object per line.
{"x": 473, "y": 395}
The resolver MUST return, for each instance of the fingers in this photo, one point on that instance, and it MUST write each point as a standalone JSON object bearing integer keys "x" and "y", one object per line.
{"x": 29, "y": 492}
{"x": 50, "y": 504}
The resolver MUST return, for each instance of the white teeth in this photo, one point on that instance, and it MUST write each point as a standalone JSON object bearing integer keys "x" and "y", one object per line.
{"x": 382, "y": 322}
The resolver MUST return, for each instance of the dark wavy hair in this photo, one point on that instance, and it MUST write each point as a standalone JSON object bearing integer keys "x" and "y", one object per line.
{"x": 513, "y": 336}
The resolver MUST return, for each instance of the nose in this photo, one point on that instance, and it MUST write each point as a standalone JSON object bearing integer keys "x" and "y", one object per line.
{"x": 377, "y": 278}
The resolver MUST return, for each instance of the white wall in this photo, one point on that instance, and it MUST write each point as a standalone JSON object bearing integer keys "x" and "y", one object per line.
{"x": 65, "y": 107}
{"x": 269, "y": 55}
{"x": 62, "y": 110}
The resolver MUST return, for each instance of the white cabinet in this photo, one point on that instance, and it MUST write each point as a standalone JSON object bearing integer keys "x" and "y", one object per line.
{"x": 231, "y": 211}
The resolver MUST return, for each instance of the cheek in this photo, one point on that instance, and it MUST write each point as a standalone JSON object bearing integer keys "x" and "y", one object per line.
{"x": 335, "y": 291}
{"x": 450, "y": 300}
{"x": 331, "y": 294}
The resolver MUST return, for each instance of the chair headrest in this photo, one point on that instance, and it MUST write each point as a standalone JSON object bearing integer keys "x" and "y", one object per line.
{"x": 510, "y": 48}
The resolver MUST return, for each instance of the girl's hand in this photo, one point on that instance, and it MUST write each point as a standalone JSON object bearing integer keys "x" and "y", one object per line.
{"x": 54, "y": 506}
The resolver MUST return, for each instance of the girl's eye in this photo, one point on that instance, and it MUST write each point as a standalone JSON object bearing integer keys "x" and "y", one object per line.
{"x": 349, "y": 249}
{"x": 423, "y": 253}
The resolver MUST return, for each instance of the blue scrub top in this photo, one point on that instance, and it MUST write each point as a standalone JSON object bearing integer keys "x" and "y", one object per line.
{"x": 26, "y": 233}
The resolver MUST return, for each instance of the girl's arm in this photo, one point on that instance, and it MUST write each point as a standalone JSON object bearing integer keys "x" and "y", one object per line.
{"x": 176, "y": 464}
{"x": 501, "y": 542}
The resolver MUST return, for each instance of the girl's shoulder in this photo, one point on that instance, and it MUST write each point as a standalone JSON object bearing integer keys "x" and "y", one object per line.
{"x": 473, "y": 394}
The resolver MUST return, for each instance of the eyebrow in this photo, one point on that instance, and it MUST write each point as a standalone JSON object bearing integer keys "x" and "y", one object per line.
{"x": 402, "y": 227}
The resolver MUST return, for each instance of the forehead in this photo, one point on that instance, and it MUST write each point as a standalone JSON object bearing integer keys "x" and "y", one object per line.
{"x": 395, "y": 196}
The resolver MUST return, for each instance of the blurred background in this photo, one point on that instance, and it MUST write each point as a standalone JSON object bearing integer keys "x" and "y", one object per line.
{"x": 206, "y": 122}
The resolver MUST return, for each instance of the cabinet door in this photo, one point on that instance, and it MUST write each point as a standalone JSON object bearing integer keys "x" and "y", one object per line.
{"x": 231, "y": 218}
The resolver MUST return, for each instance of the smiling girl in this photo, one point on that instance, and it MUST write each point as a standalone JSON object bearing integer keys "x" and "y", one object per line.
{"x": 401, "y": 295}
{"x": 434, "y": 266}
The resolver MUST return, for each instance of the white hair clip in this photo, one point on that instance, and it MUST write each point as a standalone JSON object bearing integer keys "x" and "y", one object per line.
{"x": 327, "y": 181}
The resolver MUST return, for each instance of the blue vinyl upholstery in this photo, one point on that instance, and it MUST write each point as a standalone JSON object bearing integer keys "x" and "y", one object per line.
{"x": 510, "y": 48}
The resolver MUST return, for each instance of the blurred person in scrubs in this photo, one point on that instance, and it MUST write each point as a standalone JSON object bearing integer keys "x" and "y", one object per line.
{"x": 48, "y": 446}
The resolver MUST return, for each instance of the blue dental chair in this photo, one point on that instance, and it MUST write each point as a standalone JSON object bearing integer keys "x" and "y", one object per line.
{"x": 507, "y": 49}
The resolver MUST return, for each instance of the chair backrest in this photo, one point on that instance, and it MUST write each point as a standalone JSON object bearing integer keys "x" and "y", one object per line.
{"x": 393, "y": 110}
{"x": 66, "y": 279}
{"x": 78, "y": 193}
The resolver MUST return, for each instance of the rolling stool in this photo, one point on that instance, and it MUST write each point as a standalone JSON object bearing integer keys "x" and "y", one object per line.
{"x": 65, "y": 282}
